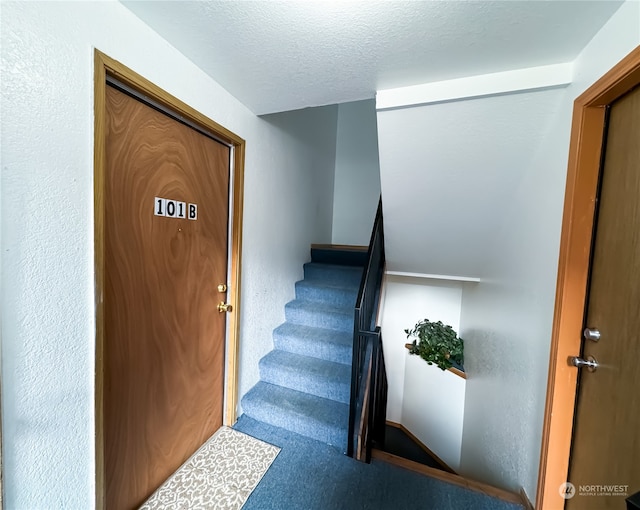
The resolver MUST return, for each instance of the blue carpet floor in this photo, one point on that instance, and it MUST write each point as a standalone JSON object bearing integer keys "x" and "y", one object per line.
{"x": 310, "y": 475}
{"x": 305, "y": 382}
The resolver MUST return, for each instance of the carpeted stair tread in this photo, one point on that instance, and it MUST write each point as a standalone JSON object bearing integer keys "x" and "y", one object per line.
{"x": 303, "y": 373}
{"x": 319, "y": 315}
{"x": 305, "y": 383}
{"x": 337, "y": 294}
{"x": 331, "y": 273}
{"x": 308, "y": 415}
{"x": 322, "y": 343}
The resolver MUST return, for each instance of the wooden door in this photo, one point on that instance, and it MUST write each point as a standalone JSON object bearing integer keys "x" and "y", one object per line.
{"x": 605, "y": 455}
{"x": 164, "y": 338}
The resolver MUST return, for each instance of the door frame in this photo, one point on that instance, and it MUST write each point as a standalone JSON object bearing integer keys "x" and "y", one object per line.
{"x": 105, "y": 65}
{"x": 585, "y": 152}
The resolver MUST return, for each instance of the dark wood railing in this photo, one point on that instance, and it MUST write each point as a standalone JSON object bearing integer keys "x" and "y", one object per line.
{"x": 368, "y": 404}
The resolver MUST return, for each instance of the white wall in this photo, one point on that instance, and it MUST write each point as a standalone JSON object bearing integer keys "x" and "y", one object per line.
{"x": 507, "y": 318}
{"x": 48, "y": 323}
{"x": 447, "y": 173}
{"x": 426, "y": 400}
{"x": 357, "y": 174}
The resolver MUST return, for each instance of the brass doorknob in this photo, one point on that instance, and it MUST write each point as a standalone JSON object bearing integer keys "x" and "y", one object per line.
{"x": 224, "y": 307}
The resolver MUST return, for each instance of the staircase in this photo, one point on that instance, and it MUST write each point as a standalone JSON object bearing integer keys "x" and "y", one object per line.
{"x": 305, "y": 382}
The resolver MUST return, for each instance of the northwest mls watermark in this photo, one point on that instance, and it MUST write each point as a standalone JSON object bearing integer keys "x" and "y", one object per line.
{"x": 567, "y": 490}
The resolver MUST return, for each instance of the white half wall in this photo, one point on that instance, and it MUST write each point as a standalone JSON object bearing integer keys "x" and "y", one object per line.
{"x": 426, "y": 400}
{"x": 507, "y": 317}
{"x": 48, "y": 311}
{"x": 433, "y": 408}
{"x": 357, "y": 174}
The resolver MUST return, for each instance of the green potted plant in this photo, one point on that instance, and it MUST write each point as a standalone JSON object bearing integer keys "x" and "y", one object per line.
{"x": 436, "y": 343}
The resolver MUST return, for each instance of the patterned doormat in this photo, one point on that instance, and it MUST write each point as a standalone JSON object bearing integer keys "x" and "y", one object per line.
{"x": 220, "y": 475}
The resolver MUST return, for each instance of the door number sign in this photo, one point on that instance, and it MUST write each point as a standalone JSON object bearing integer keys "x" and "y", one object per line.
{"x": 174, "y": 209}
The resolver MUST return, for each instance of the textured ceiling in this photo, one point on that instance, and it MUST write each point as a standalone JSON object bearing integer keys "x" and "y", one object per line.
{"x": 276, "y": 56}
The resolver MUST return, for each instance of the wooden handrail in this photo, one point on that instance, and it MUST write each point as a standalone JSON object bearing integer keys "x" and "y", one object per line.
{"x": 457, "y": 371}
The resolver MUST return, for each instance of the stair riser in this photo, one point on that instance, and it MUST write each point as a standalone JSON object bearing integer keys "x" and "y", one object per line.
{"x": 287, "y": 418}
{"x": 338, "y": 297}
{"x": 313, "y": 384}
{"x": 319, "y": 319}
{"x": 332, "y": 276}
{"x": 340, "y": 257}
{"x": 337, "y": 353}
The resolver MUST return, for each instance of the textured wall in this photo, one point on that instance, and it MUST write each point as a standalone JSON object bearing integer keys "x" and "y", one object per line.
{"x": 47, "y": 227}
{"x": 357, "y": 178}
{"x": 507, "y": 318}
{"x": 448, "y": 171}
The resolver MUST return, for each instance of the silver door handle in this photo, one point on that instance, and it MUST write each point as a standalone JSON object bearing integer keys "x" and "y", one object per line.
{"x": 591, "y": 364}
{"x": 591, "y": 334}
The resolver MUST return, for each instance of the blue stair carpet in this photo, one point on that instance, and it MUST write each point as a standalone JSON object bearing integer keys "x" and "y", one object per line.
{"x": 305, "y": 382}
